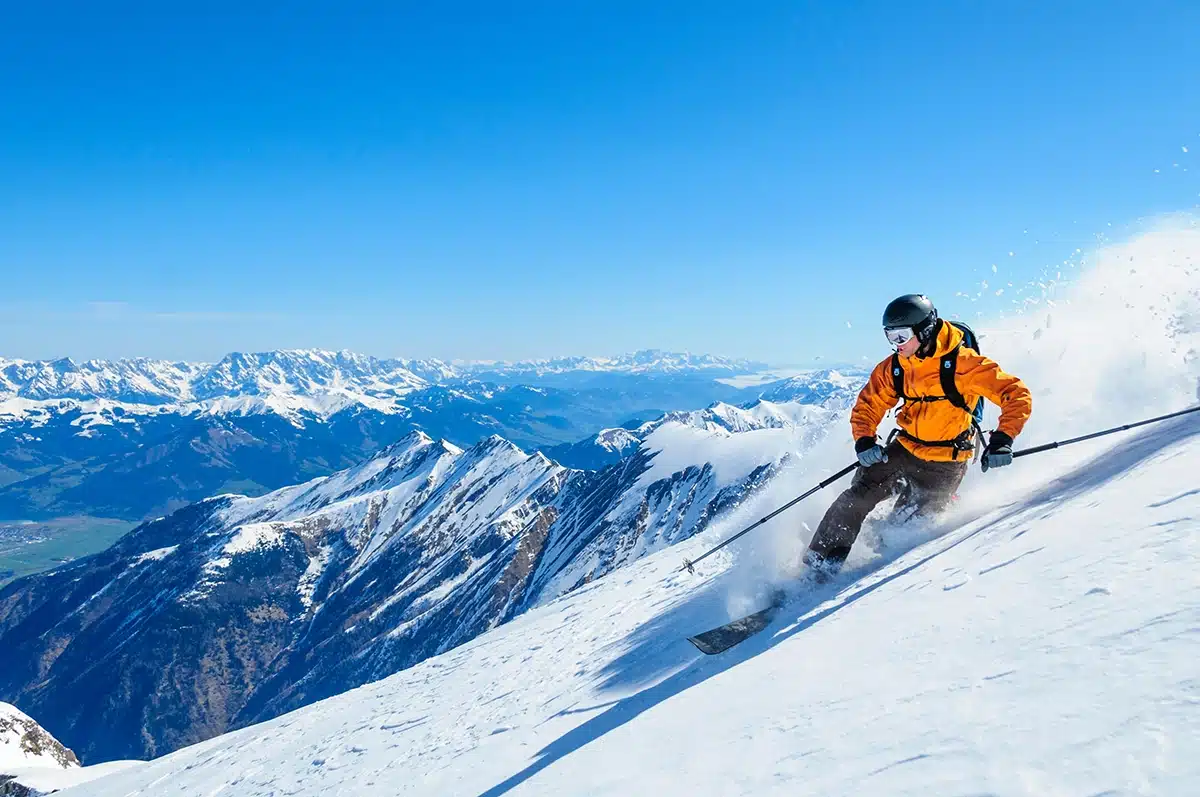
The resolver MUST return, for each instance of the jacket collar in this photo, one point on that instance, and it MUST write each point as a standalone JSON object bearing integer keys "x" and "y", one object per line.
{"x": 948, "y": 337}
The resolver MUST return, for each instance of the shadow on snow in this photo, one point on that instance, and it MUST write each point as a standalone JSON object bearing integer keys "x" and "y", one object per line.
{"x": 660, "y": 646}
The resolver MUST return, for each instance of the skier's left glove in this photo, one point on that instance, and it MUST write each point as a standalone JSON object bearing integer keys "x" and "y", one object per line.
{"x": 998, "y": 452}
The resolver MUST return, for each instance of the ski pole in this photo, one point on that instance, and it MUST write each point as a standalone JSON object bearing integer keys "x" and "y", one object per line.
{"x": 1114, "y": 430}
{"x": 689, "y": 564}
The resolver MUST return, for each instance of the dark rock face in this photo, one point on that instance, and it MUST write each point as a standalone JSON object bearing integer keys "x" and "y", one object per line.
{"x": 149, "y": 466}
{"x": 234, "y": 610}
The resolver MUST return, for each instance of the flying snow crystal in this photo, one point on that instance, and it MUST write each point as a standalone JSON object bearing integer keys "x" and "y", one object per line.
{"x": 848, "y": 325}
{"x": 1156, "y": 171}
{"x": 983, "y": 285}
{"x": 1184, "y": 149}
{"x": 1010, "y": 254}
{"x": 993, "y": 268}
{"x": 1000, "y": 292}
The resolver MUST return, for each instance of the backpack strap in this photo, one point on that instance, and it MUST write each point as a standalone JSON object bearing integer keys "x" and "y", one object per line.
{"x": 898, "y": 377}
{"x": 964, "y": 442}
{"x": 946, "y": 375}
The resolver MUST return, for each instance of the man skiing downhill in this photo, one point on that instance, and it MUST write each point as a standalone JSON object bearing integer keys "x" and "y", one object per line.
{"x": 940, "y": 378}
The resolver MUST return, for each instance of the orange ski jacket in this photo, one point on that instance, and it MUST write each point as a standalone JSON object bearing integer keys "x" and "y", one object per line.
{"x": 974, "y": 376}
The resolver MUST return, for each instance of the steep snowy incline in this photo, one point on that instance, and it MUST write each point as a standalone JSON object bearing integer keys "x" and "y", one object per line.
{"x": 1047, "y": 646}
{"x": 1040, "y": 639}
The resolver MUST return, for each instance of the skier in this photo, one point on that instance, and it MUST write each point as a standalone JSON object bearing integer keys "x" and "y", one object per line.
{"x": 939, "y": 374}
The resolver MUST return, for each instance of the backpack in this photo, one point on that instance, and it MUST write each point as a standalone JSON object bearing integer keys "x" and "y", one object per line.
{"x": 946, "y": 372}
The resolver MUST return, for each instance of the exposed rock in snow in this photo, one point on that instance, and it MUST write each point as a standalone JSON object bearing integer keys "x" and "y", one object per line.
{"x": 24, "y": 743}
{"x": 39, "y": 781}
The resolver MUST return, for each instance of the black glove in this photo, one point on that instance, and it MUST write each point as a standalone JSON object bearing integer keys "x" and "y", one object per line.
{"x": 998, "y": 452}
{"x": 869, "y": 452}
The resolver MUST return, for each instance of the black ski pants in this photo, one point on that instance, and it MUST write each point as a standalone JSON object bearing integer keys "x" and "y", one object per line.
{"x": 928, "y": 487}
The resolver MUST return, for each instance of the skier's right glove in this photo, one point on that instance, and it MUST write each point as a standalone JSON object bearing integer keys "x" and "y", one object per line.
{"x": 869, "y": 452}
{"x": 998, "y": 452}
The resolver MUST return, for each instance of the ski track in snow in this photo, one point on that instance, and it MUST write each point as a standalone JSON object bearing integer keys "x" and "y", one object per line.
{"x": 1063, "y": 662}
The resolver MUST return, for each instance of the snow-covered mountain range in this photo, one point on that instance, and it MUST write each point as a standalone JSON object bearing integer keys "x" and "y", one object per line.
{"x": 137, "y": 439}
{"x": 310, "y": 590}
{"x": 311, "y": 372}
{"x": 777, "y": 406}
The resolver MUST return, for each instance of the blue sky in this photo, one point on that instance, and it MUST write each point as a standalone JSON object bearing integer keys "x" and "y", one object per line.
{"x": 482, "y": 180}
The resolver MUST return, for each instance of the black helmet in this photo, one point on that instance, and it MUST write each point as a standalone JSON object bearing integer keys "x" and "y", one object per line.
{"x": 912, "y": 310}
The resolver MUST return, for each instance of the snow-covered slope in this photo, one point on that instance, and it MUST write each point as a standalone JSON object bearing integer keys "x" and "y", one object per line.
{"x": 33, "y": 763}
{"x": 612, "y": 445}
{"x": 24, "y": 743}
{"x": 38, "y": 781}
{"x": 1047, "y": 647}
{"x": 1039, "y": 639}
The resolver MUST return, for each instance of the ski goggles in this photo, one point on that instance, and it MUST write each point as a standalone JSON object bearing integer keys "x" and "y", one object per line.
{"x": 898, "y": 336}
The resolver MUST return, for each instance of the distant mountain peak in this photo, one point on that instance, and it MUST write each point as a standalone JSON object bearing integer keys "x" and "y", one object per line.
{"x": 642, "y": 361}
{"x": 309, "y": 373}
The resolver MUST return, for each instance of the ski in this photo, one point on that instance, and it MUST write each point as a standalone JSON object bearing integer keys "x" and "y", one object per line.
{"x": 723, "y": 637}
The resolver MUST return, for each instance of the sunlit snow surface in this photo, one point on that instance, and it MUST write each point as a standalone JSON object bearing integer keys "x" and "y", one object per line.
{"x": 1041, "y": 639}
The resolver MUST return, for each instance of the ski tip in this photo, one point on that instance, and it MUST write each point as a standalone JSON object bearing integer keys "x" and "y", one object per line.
{"x": 704, "y": 647}
{"x": 723, "y": 637}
